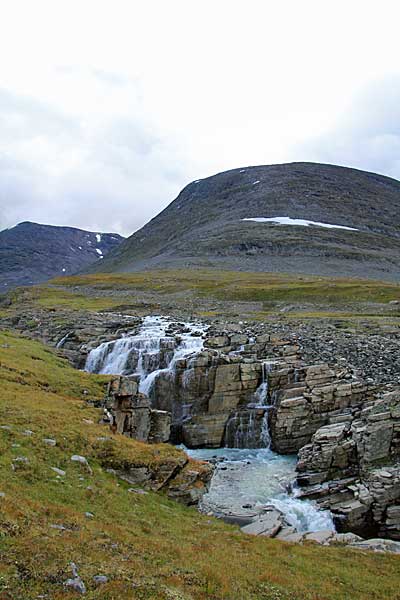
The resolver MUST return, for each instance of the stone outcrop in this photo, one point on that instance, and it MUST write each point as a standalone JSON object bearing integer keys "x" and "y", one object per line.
{"x": 254, "y": 342}
{"x": 203, "y": 393}
{"x": 132, "y": 415}
{"x": 341, "y": 468}
{"x": 270, "y": 522}
{"x": 307, "y": 398}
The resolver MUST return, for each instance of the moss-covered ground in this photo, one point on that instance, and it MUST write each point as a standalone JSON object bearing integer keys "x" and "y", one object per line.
{"x": 264, "y": 287}
{"x": 206, "y": 293}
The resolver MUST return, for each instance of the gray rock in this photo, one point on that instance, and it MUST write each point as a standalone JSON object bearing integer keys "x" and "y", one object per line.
{"x": 377, "y": 545}
{"x": 268, "y": 524}
{"x": 75, "y": 583}
{"x": 100, "y": 579}
{"x": 82, "y": 461}
{"x": 49, "y": 442}
{"x": 345, "y": 538}
{"x": 58, "y": 471}
{"x": 320, "y": 537}
{"x": 132, "y": 414}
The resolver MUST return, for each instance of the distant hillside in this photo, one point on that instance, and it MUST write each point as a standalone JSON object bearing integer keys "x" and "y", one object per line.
{"x": 31, "y": 253}
{"x": 206, "y": 226}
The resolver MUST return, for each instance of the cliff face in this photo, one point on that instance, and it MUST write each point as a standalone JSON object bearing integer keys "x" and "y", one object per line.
{"x": 32, "y": 253}
{"x": 211, "y": 224}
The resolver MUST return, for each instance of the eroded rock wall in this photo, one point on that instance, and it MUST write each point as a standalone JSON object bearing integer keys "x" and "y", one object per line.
{"x": 304, "y": 399}
{"x": 132, "y": 414}
{"x": 342, "y": 468}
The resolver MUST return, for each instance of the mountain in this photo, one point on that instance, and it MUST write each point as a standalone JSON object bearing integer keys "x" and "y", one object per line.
{"x": 206, "y": 226}
{"x": 31, "y": 253}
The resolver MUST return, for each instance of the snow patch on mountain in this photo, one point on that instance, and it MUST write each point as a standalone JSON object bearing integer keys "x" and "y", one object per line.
{"x": 303, "y": 222}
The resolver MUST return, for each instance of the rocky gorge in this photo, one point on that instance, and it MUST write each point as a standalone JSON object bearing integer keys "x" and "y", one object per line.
{"x": 226, "y": 388}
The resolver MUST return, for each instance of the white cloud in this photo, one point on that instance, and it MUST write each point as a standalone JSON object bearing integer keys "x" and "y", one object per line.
{"x": 108, "y": 109}
{"x": 367, "y": 135}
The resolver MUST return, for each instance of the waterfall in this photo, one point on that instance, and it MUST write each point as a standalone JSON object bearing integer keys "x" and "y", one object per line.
{"x": 151, "y": 352}
{"x": 249, "y": 427}
{"x": 265, "y": 437}
{"x": 61, "y": 343}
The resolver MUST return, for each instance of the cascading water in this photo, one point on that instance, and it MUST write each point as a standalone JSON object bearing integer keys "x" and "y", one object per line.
{"x": 248, "y": 427}
{"x": 151, "y": 352}
{"x": 248, "y": 477}
{"x": 247, "y": 480}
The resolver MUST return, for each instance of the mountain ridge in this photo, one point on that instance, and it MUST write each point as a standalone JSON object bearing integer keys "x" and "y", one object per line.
{"x": 32, "y": 253}
{"x": 204, "y": 226}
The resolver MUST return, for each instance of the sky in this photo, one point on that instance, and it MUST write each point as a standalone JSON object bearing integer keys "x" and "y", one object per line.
{"x": 108, "y": 108}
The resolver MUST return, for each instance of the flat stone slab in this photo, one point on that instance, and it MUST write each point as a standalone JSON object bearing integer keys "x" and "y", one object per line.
{"x": 378, "y": 545}
{"x": 345, "y": 538}
{"x": 294, "y": 538}
{"x": 267, "y": 524}
{"x": 321, "y": 537}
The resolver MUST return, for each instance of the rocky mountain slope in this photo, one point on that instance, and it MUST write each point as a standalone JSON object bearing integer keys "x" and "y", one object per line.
{"x": 210, "y": 224}
{"x": 32, "y": 253}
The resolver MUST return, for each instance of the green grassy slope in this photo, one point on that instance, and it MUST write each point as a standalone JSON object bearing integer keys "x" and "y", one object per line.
{"x": 243, "y": 286}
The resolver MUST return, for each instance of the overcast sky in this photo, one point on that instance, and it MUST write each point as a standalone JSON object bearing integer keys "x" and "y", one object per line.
{"x": 108, "y": 108}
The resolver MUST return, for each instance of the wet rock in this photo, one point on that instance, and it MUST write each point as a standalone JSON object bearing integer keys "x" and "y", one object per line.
{"x": 217, "y": 341}
{"x": 368, "y": 500}
{"x": 308, "y": 398}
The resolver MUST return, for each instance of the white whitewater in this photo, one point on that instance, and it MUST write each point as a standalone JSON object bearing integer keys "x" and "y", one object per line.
{"x": 114, "y": 357}
{"x": 253, "y": 477}
{"x": 244, "y": 424}
{"x": 249, "y": 479}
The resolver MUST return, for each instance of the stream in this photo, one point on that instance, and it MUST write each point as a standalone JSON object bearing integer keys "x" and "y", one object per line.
{"x": 245, "y": 479}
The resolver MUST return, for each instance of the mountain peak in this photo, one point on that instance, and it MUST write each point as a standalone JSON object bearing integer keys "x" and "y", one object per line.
{"x": 32, "y": 252}
{"x": 295, "y": 217}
